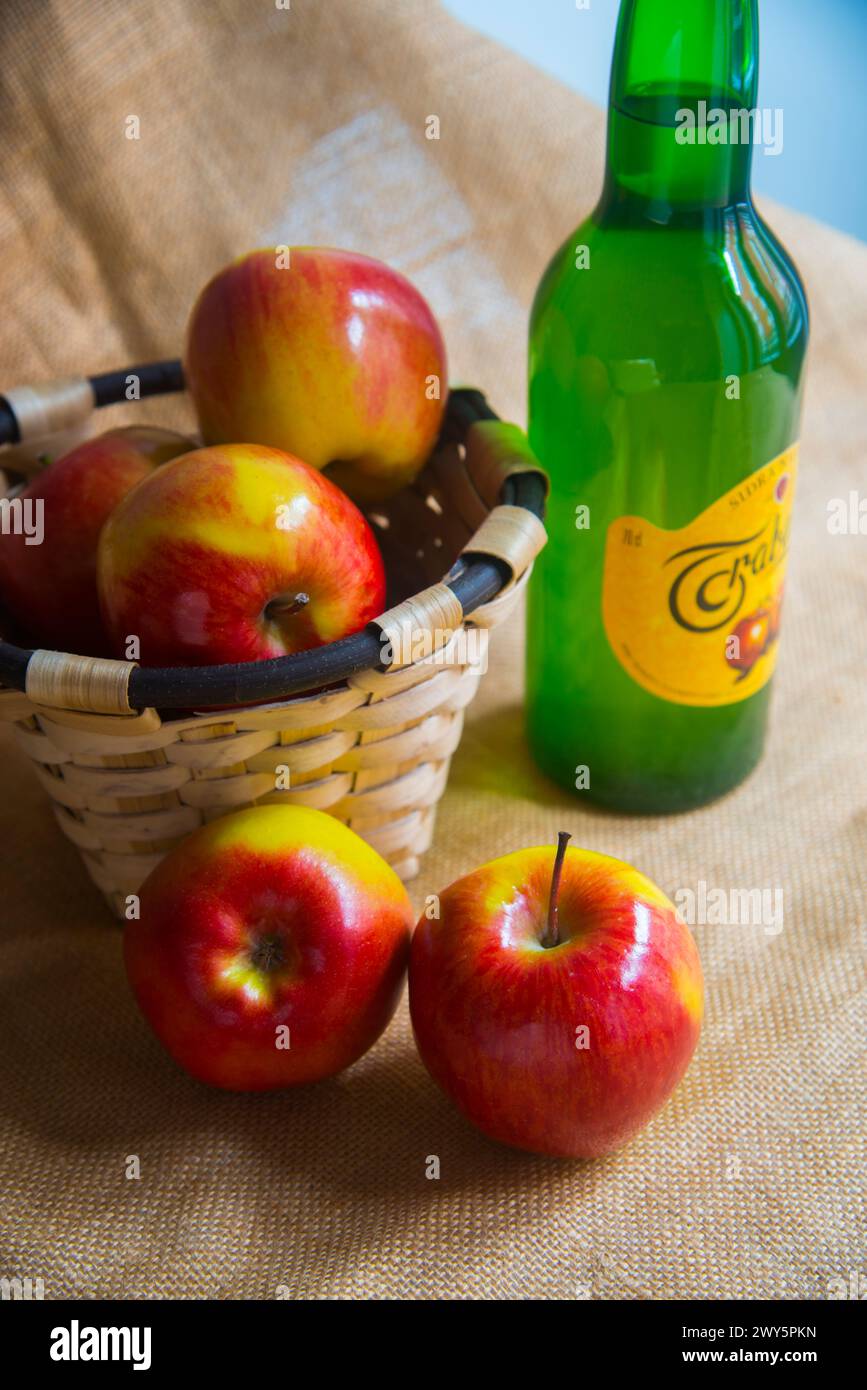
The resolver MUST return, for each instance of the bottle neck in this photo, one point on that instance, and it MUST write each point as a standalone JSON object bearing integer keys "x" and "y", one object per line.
{"x": 682, "y": 111}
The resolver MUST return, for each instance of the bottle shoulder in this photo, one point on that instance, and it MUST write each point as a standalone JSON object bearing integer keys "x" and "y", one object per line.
{"x": 557, "y": 273}
{"x": 784, "y": 266}
{"x": 623, "y": 288}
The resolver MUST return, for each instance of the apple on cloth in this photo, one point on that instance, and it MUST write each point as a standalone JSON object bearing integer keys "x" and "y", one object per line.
{"x": 557, "y": 1005}
{"x": 236, "y": 553}
{"x": 327, "y": 354}
{"x": 50, "y": 588}
{"x": 270, "y": 949}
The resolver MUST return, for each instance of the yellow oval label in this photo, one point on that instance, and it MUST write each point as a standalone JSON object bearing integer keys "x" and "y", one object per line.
{"x": 694, "y": 615}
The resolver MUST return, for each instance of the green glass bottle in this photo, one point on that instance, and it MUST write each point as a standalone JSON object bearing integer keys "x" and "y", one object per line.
{"x": 667, "y": 347}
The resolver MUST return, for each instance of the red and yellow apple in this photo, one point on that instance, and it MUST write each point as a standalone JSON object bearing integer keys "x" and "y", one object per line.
{"x": 557, "y": 999}
{"x": 270, "y": 949}
{"x": 327, "y": 354}
{"x": 237, "y": 553}
{"x": 50, "y": 587}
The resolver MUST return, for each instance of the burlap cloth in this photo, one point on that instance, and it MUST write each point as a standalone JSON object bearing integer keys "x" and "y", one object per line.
{"x": 260, "y": 125}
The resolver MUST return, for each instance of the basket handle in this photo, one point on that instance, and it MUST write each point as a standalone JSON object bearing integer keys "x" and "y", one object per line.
{"x": 38, "y": 412}
{"x": 428, "y": 619}
{"x": 61, "y": 680}
{"x": 495, "y": 451}
{"x": 511, "y": 534}
{"x": 502, "y": 467}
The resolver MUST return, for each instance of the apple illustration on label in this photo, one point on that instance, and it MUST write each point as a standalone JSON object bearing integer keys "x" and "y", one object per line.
{"x": 749, "y": 640}
{"x": 49, "y": 584}
{"x": 236, "y": 553}
{"x": 270, "y": 949}
{"x": 557, "y": 999}
{"x": 327, "y": 354}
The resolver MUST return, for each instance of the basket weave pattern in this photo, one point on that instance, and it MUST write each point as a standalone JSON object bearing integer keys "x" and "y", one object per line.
{"x": 374, "y": 751}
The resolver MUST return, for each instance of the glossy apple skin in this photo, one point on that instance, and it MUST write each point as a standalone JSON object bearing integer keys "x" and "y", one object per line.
{"x": 334, "y": 920}
{"x": 495, "y": 1013}
{"x": 328, "y": 358}
{"x": 50, "y": 589}
{"x": 191, "y": 560}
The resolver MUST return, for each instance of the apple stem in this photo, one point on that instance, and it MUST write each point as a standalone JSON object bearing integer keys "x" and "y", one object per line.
{"x": 284, "y": 608}
{"x": 552, "y": 932}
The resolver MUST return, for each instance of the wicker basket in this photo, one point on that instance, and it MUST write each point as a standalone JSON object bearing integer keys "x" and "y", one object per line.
{"x": 373, "y": 748}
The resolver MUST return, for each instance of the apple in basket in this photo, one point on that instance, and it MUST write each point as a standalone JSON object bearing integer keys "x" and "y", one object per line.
{"x": 270, "y": 949}
{"x": 329, "y": 355}
{"x": 237, "y": 553}
{"x": 48, "y": 565}
{"x": 557, "y": 999}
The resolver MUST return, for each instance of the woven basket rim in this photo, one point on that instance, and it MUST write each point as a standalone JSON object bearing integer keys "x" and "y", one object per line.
{"x": 474, "y": 580}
